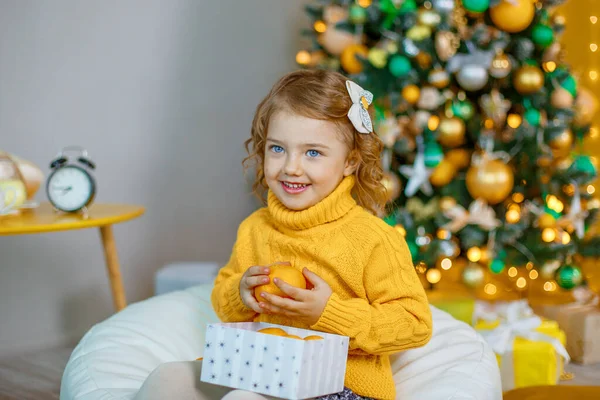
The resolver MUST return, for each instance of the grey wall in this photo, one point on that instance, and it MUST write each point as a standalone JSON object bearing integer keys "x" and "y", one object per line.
{"x": 162, "y": 93}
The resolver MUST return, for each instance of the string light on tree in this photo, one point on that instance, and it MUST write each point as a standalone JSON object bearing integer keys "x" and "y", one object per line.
{"x": 549, "y": 286}
{"x": 474, "y": 254}
{"x": 446, "y": 264}
{"x": 490, "y": 289}
{"x": 433, "y": 275}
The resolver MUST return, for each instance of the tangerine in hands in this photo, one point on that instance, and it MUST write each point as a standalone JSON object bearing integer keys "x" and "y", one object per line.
{"x": 286, "y": 273}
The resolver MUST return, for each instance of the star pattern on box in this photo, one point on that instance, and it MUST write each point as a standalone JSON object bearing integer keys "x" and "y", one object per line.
{"x": 269, "y": 366}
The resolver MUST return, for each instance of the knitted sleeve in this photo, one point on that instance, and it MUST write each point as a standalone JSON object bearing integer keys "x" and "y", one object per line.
{"x": 225, "y": 297}
{"x": 396, "y": 314}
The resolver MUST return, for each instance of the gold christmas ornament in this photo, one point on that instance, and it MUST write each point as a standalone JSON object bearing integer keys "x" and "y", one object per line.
{"x": 528, "y": 79}
{"x": 586, "y": 106}
{"x": 461, "y": 158}
{"x": 451, "y": 132}
{"x": 423, "y": 59}
{"x": 546, "y": 221}
{"x": 439, "y": 78}
{"x": 446, "y": 44}
{"x": 378, "y": 57}
{"x": 562, "y": 143}
{"x": 419, "y": 32}
{"x": 443, "y": 173}
{"x": 336, "y": 40}
{"x": 392, "y": 185}
{"x": 411, "y": 93}
{"x": 348, "y": 58}
{"x": 491, "y": 180}
{"x": 561, "y": 98}
{"x": 501, "y": 66}
{"x": 513, "y": 16}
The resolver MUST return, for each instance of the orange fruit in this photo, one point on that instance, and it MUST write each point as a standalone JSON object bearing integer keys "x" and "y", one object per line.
{"x": 273, "y": 331}
{"x": 294, "y": 337}
{"x": 313, "y": 337}
{"x": 286, "y": 273}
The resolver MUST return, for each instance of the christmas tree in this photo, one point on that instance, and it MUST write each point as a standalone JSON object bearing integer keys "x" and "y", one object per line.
{"x": 483, "y": 124}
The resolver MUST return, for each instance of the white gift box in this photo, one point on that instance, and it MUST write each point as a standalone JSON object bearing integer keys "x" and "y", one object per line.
{"x": 237, "y": 356}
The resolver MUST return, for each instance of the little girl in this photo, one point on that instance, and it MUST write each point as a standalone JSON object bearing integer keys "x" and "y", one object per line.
{"x": 318, "y": 159}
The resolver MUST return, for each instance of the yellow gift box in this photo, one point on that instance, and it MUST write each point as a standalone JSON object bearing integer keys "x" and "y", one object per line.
{"x": 536, "y": 355}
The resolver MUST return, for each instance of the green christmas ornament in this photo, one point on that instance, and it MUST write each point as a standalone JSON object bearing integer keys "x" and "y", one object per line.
{"x": 568, "y": 276}
{"x": 533, "y": 116}
{"x": 584, "y": 165}
{"x": 542, "y": 35}
{"x": 433, "y": 154}
{"x": 570, "y": 85}
{"x": 463, "y": 109}
{"x": 476, "y": 6}
{"x": 399, "y": 66}
{"x": 408, "y": 6}
{"x": 497, "y": 266}
{"x": 358, "y": 15}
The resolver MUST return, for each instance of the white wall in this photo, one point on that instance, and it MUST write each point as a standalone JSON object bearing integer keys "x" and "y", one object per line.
{"x": 162, "y": 93}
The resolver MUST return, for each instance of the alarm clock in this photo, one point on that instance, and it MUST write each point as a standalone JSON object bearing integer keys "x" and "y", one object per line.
{"x": 70, "y": 187}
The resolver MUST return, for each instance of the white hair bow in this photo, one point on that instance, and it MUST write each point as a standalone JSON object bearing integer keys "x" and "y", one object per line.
{"x": 358, "y": 113}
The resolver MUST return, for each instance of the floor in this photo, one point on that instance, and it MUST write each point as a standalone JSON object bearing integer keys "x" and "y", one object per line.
{"x": 33, "y": 377}
{"x": 37, "y": 376}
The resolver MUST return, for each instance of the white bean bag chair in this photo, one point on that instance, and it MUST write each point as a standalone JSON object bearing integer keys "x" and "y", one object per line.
{"x": 115, "y": 357}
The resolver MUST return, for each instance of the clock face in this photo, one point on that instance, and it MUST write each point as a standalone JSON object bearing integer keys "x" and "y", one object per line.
{"x": 70, "y": 188}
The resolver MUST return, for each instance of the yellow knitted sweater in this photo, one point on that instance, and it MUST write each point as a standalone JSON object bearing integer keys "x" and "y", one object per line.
{"x": 377, "y": 301}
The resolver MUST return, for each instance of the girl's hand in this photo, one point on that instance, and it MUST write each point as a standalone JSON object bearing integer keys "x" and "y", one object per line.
{"x": 304, "y": 305}
{"x": 253, "y": 277}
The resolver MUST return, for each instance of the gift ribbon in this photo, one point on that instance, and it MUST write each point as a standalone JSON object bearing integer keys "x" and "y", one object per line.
{"x": 516, "y": 320}
{"x": 479, "y": 214}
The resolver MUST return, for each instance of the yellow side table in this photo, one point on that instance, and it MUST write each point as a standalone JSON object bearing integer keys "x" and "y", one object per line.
{"x": 103, "y": 216}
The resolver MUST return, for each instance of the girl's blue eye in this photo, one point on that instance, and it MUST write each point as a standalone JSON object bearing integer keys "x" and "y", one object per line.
{"x": 276, "y": 149}
{"x": 313, "y": 153}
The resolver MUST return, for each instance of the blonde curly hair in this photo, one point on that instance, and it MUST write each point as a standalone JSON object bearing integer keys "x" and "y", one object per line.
{"x": 321, "y": 95}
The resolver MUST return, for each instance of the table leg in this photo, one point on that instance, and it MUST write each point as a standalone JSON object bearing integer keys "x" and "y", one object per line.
{"x": 112, "y": 265}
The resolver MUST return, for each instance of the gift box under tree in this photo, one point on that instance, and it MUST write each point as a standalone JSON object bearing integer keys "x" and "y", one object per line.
{"x": 581, "y": 322}
{"x": 530, "y": 351}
